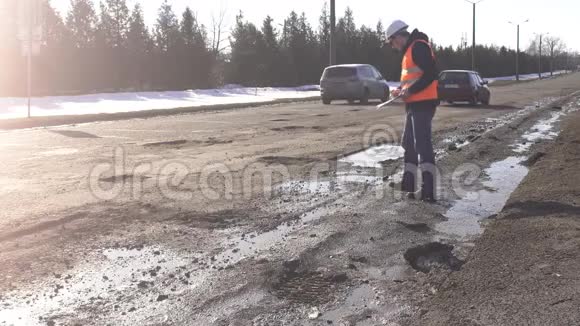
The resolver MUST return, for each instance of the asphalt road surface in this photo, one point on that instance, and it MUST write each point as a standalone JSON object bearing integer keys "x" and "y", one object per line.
{"x": 246, "y": 216}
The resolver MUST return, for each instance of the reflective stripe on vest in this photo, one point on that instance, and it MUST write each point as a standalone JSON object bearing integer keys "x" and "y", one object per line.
{"x": 410, "y": 73}
{"x": 411, "y": 70}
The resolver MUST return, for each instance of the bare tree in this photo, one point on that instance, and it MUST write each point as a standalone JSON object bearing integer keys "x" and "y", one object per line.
{"x": 533, "y": 47}
{"x": 218, "y": 28}
{"x": 554, "y": 46}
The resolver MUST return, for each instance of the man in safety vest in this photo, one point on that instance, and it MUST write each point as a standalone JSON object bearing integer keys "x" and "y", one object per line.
{"x": 419, "y": 81}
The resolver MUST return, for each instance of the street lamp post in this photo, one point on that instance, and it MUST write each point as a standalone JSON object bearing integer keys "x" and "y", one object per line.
{"x": 332, "y": 32}
{"x": 540, "y": 59}
{"x": 540, "y": 56}
{"x": 473, "y": 45}
{"x": 567, "y": 61}
{"x": 518, "y": 49}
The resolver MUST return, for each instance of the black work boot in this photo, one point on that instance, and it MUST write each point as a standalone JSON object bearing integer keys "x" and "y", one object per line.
{"x": 428, "y": 188}
{"x": 408, "y": 182}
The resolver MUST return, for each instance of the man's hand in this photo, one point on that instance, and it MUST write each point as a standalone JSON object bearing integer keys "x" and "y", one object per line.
{"x": 403, "y": 93}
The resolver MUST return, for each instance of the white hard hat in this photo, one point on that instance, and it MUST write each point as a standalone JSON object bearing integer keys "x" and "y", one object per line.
{"x": 395, "y": 27}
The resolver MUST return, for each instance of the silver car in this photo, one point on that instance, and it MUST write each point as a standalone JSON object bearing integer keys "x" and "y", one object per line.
{"x": 353, "y": 82}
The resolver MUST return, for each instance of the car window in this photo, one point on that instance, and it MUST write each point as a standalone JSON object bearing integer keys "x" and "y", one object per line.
{"x": 367, "y": 72}
{"x": 480, "y": 79}
{"x": 475, "y": 80}
{"x": 377, "y": 73}
{"x": 456, "y": 77}
{"x": 339, "y": 72}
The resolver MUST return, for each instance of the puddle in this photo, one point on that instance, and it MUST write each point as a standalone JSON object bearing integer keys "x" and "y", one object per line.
{"x": 370, "y": 305}
{"x": 116, "y": 270}
{"x": 372, "y": 157}
{"x": 305, "y": 187}
{"x": 366, "y": 166}
{"x": 465, "y": 215}
{"x": 543, "y": 130}
{"x": 253, "y": 243}
{"x": 347, "y": 177}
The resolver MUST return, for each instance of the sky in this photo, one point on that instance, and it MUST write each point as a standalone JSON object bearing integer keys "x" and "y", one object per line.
{"x": 445, "y": 21}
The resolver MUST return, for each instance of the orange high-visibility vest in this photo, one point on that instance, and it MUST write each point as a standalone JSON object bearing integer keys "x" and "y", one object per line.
{"x": 411, "y": 73}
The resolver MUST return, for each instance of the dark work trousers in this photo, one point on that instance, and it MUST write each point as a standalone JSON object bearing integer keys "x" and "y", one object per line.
{"x": 418, "y": 147}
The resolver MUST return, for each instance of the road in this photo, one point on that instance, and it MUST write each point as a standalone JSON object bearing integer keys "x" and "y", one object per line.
{"x": 239, "y": 216}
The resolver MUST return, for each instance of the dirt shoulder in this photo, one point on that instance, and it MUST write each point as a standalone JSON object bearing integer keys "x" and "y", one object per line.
{"x": 524, "y": 269}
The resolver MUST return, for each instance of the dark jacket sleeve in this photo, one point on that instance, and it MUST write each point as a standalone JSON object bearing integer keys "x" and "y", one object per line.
{"x": 424, "y": 59}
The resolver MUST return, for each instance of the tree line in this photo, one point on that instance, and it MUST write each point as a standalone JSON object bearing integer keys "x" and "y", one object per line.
{"x": 109, "y": 48}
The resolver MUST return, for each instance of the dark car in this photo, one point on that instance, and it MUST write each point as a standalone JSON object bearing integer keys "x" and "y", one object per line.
{"x": 463, "y": 86}
{"x": 353, "y": 82}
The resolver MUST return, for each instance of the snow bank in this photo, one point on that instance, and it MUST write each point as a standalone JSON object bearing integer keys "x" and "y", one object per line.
{"x": 142, "y": 101}
{"x": 525, "y": 77}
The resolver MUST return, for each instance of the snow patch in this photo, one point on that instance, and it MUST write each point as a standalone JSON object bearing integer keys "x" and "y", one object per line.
{"x": 11, "y": 107}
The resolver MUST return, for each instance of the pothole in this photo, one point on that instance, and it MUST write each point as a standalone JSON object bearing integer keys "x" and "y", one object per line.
{"x": 366, "y": 167}
{"x": 432, "y": 255}
{"x": 416, "y": 227}
{"x": 123, "y": 178}
{"x": 167, "y": 143}
{"x": 251, "y": 244}
{"x": 308, "y": 288}
{"x": 374, "y": 156}
{"x": 464, "y": 217}
{"x": 542, "y": 130}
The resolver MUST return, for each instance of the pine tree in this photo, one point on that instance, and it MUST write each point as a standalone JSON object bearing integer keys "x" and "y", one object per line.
{"x": 246, "y": 42}
{"x": 167, "y": 28}
{"x": 54, "y": 54}
{"x": 270, "y": 54}
{"x": 82, "y": 21}
{"x": 139, "y": 46}
{"x": 195, "y": 55}
{"x": 168, "y": 41}
{"x": 324, "y": 36}
{"x": 347, "y": 38}
{"x": 86, "y": 72}
{"x": 112, "y": 42}
{"x": 115, "y": 22}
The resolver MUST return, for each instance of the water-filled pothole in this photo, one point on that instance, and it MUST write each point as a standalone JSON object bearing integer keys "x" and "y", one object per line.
{"x": 374, "y": 156}
{"x": 366, "y": 166}
{"x": 464, "y": 217}
{"x": 432, "y": 255}
{"x": 250, "y": 244}
{"x": 542, "y": 130}
{"x": 309, "y": 288}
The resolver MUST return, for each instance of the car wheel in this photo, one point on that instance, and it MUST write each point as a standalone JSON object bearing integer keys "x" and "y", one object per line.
{"x": 386, "y": 97}
{"x": 474, "y": 101}
{"x": 326, "y": 101}
{"x": 365, "y": 99}
{"x": 486, "y": 101}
